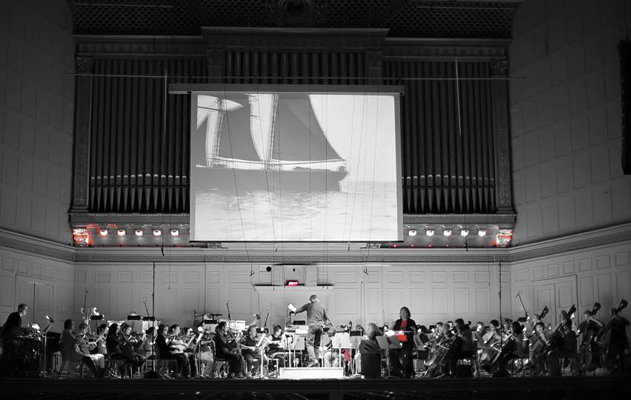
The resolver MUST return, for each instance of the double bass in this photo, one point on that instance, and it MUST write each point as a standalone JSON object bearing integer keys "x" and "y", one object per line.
{"x": 589, "y": 349}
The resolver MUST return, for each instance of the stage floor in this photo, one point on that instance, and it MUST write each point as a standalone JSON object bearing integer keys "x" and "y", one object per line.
{"x": 575, "y": 388}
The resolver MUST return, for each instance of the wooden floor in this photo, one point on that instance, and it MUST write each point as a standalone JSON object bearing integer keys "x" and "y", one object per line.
{"x": 574, "y": 388}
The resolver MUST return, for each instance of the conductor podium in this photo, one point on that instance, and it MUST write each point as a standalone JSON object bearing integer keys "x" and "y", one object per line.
{"x": 311, "y": 373}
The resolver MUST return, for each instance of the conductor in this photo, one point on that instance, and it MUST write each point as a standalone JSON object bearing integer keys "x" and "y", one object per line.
{"x": 316, "y": 319}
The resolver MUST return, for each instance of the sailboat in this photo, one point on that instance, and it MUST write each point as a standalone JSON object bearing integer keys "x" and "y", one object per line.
{"x": 263, "y": 142}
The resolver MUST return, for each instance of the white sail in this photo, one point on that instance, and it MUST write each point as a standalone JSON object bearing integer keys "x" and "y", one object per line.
{"x": 211, "y": 109}
{"x": 261, "y": 120}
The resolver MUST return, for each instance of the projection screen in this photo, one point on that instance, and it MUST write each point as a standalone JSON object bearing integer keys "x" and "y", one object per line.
{"x": 295, "y": 165}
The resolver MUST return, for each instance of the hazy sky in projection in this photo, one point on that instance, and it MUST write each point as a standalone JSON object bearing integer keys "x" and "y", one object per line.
{"x": 361, "y": 128}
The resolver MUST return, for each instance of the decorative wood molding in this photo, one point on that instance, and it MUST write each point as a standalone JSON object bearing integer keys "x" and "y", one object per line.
{"x": 504, "y": 190}
{"x": 265, "y": 253}
{"x": 35, "y": 246}
{"x": 300, "y": 39}
{"x": 576, "y": 242}
{"x": 82, "y": 133}
{"x": 441, "y": 49}
{"x": 129, "y": 45}
{"x": 502, "y": 220}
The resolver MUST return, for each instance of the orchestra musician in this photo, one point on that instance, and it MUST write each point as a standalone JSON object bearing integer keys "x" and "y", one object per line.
{"x": 539, "y": 347}
{"x": 462, "y": 347}
{"x": 131, "y": 346}
{"x": 276, "y": 345}
{"x": 401, "y": 362}
{"x": 250, "y": 350}
{"x": 76, "y": 348}
{"x": 11, "y": 329}
{"x": 589, "y": 354}
{"x": 317, "y": 320}
{"x": 617, "y": 344}
{"x": 165, "y": 351}
{"x": 370, "y": 353}
{"x": 181, "y": 343}
{"x": 101, "y": 337}
{"x": 146, "y": 348}
{"x": 227, "y": 348}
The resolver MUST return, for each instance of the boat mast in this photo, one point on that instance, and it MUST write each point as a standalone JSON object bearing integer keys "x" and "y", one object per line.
{"x": 272, "y": 129}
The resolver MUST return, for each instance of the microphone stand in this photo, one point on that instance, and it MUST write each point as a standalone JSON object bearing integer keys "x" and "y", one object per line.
{"x": 152, "y": 373}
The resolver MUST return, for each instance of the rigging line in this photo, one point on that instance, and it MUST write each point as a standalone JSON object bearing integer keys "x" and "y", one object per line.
{"x": 359, "y": 153}
{"x": 350, "y": 164}
{"x": 236, "y": 188}
{"x": 360, "y": 79}
{"x": 458, "y": 98}
{"x": 374, "y": 169}
{"x": 269, "y": 197}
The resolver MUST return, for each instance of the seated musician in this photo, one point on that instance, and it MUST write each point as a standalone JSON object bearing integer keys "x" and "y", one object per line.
{"x": 146, "y": 348}
{"x": 227, "y": 349}
{"x": 113, "y": 343}
{"x": 539, "y": 347}
{"x": 205, "y": 355}
{"x": 164, "y": 351}
{"x": 101, "y": 337}
{"x": 181, "y": 344}
{"x": 251, "y": 352}
{"x": 461, "y": 348}
{"x": 370, "y": 353}
{"x": 130, "y": 346}
{"x": 11, "y": 330}
{"x": 563, "y": 344}
{"x": 277, "y": 344}
{"x": 75, "y": 348}
{"x": 401, "y": 359}
{"x": 490, "y": 346}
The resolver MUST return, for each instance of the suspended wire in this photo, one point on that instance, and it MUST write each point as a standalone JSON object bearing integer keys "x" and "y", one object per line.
{"x": 236, "y": 188}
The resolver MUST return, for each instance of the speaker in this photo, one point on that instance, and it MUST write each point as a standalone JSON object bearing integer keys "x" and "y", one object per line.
{"x": 624, "y": 50}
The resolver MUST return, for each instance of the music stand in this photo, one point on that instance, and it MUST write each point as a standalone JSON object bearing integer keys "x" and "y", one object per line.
{"x": 387, "y": 343}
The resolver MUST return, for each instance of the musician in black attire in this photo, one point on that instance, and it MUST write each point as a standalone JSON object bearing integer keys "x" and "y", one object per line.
{"x": 461, "y": 347}
{"x": 11, "y": 329}
{"x": 228, "y": 350}
{"x": 401, "y": 359}
{"x": 165, "y": 351}
{"x": 316, "y": 319}
{"x": 370, "y": 353}
{"x": 618, "y": 344}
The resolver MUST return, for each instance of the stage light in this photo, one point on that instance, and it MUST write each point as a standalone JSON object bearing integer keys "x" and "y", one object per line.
{"x": 175, "y": 232}
{"x": 464, "y": 232}
{"x": 139, "y": 232}
{"x": 447, "y": 232}
{"x": 157, "y": 232}
{"x": 121, "y": 232}
{"x": 103, "y": 232}
{"x": 482, "y": 233}
{"x": 412, "y": 232}
{"x": 429, "y": 232}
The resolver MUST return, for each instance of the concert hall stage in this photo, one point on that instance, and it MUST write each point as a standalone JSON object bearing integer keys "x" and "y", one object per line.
{"x": 574, "y": 388}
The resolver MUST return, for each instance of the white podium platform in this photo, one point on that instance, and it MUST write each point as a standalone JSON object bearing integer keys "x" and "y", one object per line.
{"x": 311, "y": 373}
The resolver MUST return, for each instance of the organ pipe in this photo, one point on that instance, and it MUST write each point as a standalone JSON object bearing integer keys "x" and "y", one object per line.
{"x": 139, "y": 156}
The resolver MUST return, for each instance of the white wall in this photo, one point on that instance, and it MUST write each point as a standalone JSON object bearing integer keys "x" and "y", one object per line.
{"x": 36, "y": 117}
{"x": 46, "y": 285}
{"x": 432, "y": 292}
{"x": 566, "y": 117}
{"x": 600, "y": 274}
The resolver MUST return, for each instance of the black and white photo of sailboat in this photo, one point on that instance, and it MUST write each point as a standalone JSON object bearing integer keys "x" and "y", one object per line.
{"x": 263, "y": 140}
{"x": 294, "y": 166}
